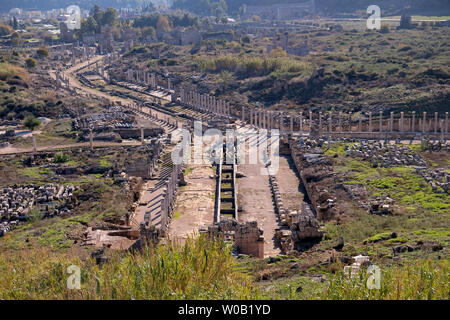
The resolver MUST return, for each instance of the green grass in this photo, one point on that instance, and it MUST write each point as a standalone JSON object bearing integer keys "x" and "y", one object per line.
{"x": 403, "y": 184}
{"x": 200, "y": 269}
{"x": 421, "y": 280}
{"x": 105, "y": 163}
{"x": 379, "y": 237}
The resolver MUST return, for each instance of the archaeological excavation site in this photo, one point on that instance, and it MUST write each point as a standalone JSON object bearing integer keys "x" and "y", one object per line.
{"x": 275, "y": 150}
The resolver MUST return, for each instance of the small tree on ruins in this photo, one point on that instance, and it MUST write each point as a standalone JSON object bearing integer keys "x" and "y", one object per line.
{"x": 42, "y": 52}
{"x": 31, "y": 122}
{"x": 31, "y": 63}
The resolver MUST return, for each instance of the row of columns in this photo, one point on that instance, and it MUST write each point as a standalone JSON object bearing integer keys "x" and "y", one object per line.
{"x": 142, "y": 77}
{"x": 266, "y": 120}
{"x": 204, "y": 103}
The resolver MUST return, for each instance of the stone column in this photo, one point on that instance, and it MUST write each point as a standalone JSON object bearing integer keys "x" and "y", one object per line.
{"x": 392, "y": 122}
{"x": 340, "y": 121}
{"x": 360, "y": 124}
{"x": 446, "y": 122}
{"x": 291, "y": 124}
{"x": 301, "y": 122}
{"x": 435, "y": 122}
{"x": 330, "y": 123}
{"x": 413, "y": 124}
{"x": 381, "y": 121}
{"x": 265, "y": 120}
{"x": 91, "y": 140}
{"x": 370, "y": 122}
{"x": 310, "y": 121}
{"x": 424, "y": 121}
{"x": 320, "y": 122}
{"x": 243, "y": 113}
{"x": 281, "y": 122}
{"x": 142, "y": 135}
{"x": 272, "y": 120}
{"x": 402, "y": 124}
{"x": 261, "y": 114}
{"x": 34, "y": 143}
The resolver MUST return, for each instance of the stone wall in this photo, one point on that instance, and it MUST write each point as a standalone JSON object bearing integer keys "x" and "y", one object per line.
{"x": 249, "y": 240}
{"x": 247, "y": 237}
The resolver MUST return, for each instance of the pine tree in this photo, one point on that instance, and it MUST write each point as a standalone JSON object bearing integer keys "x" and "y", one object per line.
{"x": 15, "y": 24}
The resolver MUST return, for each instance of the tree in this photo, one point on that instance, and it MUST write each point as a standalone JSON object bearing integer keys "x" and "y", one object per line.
{"x": 42, "y": 52}
{"x": 245, "y": 39}
{"x": 97, "y": 14}
{"x": 109, "y": 17}
{"x": 163, "y": 23}
{"x": 5, "y": 30}
{"x": 31, "y": 63}
{"x": 16, "y": 40}
{"x": 278, "y": 52}
{"x": 384, "y": 28}
{"x": 148, "y": 31}
{"x": 89, "y": 25}
{"x": 61, "y": 158}
{"x": 30, "y": 122}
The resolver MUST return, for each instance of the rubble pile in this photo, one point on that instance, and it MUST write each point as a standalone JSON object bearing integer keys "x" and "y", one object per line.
{"x": 315, "y": 170}
{"x": 311, "y": 152}
{"x": 381, "y": 206}
{"x": 438, "y": 178}
{"x": 298, "y": 228}
{"x": 16, "y": 203}
{"x": 384, "y": 155}
{"x": 114, "y": 117}
{"x": 247, "y": 237}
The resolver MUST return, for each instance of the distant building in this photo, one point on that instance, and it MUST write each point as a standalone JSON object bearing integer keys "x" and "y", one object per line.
{"x": 65, "y": 34}
{"x": 89, "y": 39}
{"x": 281, "y": 11}
{"x": 106, "y": 40}
{"x": 189, "y": 37}
{"x": 405, "y": 22}
{"x": 36, "y": 14}
{"x": 283, "y": 43}
{"x": 226, "y": 35}
{"x": 15, "y": 12}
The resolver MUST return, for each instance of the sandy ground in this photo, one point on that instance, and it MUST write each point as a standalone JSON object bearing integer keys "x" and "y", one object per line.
{"x": 14, "y": 150}
{"x": 195, "y": 203}
{"x": 255, "y": 197}
{"x": 289, "y": 184}
{"x": 194, "y": 208}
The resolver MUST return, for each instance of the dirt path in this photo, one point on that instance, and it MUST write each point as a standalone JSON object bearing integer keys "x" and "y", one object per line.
{"x": 289, "y": 183}
{"x": 70, "y": 73}
{"x": 255, "y": 197}
{"x": 14, "y": 150}
{"x": 195, "y": 201}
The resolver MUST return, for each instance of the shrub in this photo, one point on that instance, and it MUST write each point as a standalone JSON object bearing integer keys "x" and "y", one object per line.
{"x": 31, "y": 122}
{"x": 423, "y": 280}
{"x": 252, "y": 67}
{"x": 199, "y": 269}
{"x": 31, "y": 63}
{"x": 61, "y": 158}
{"x": 42, "y": 52}
{"x": 5, "y": 30}
{"x": 385, "y": 28}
